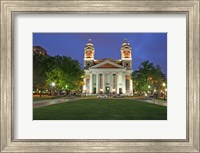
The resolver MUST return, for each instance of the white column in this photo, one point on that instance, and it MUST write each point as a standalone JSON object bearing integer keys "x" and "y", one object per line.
{"x": 118, "y": 82}
{"x": 91, "y": 83}
{"x": 108, "y": 78}
{"x": 103, "y": 82}
{"x": 97, "y": 83}
{"x": 110, "y": 81}
{"x": 123, "y": 83}
{"x": 131, "y": 87}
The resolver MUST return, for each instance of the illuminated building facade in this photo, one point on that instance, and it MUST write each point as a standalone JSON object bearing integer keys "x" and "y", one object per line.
{"x": 108, "y": 76}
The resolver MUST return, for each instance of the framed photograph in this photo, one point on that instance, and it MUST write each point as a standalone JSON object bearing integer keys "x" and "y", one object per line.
{"x": 94, "y": 82}
{"x": 100, "y": 76}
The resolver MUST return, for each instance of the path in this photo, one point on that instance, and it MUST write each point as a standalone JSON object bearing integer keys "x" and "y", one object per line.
{"x": 153, "y": 101}
{"x": 42, "y": 103}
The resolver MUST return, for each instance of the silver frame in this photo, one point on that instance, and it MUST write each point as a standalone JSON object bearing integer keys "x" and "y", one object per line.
{"x": 10, "y": 7}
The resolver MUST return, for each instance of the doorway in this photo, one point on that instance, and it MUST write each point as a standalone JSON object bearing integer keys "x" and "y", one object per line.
{"x": 120, "y": 90}
{"x": 94, "y": 91}
{"x": 107, "y": 90}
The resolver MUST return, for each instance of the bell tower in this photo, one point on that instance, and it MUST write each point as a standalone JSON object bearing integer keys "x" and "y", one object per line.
{"x": 89, "y": 54}
{"x": 126, "y": 56}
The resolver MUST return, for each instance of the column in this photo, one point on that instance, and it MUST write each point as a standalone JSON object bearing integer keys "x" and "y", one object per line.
{"x": 103, "y": 82}
{"x": 91, "y": 83}
{"x": 97, "y": 83}
{"x": 123, "y": 83}
{"x": 118, "y": 82}
{"x": 131, "y": 87}
{"x": 108, "y": 78}
{"x": 110, "y": 81}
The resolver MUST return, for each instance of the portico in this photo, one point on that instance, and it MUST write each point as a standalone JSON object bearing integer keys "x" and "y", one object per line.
{"x": 114, "y": 80}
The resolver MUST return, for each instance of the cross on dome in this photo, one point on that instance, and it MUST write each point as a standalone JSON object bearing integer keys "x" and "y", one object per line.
{"x": 89, "y": 42}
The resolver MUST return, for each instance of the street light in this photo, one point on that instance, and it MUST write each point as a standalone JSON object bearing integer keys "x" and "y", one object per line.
{"x": 164, "y": 84}
{"x": 66, "y": 90}
{"x": 148, "y": 89}
{"x": 52, "y": 84}
{"x": 164, "y": 89}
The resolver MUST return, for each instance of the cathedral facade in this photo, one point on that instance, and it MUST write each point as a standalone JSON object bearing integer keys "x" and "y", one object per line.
{"x": 108, "y": 76}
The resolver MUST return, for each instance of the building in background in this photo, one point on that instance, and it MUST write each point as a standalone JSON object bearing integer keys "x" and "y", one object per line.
{"x": 108, "y": 76}
{"x": 39, "y": 50}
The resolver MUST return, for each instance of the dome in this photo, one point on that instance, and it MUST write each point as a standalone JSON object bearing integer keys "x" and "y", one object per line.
{"x": 89, "y": 44}
{"x": 125, "y": 43}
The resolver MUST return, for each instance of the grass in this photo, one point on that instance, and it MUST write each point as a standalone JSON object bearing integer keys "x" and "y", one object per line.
{"x": 101, "y": 109}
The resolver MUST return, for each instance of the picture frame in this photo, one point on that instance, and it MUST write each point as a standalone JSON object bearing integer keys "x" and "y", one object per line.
{"x": 8, "y": 10}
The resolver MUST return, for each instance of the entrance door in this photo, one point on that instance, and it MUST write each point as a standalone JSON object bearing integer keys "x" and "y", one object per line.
{"x": 94, "y": 90}
{"x": 107, "y": 90}
{"x": 120, "y": 90}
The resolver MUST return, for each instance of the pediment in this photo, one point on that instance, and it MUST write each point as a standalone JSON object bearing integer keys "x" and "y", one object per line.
{"x": 107, "y": 64}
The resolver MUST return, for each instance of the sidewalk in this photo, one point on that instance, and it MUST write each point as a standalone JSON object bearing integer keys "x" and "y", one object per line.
{"x": 153, "y": 101}
{"x": 42, "y": 103}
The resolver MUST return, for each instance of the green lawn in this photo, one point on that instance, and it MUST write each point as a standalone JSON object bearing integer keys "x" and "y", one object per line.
{"x": 101, "y": 109}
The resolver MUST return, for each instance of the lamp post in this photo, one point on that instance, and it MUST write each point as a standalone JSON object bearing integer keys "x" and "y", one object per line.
{"x": 164, "y": 89}
{"x": 67, "y": 94}
{"x": 148, "y": 89}
{"x": 52, "y": 85}
{"x": 66, "y": 90}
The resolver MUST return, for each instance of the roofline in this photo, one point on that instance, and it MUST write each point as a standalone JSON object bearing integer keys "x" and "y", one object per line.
{"x": 106, "y": 61}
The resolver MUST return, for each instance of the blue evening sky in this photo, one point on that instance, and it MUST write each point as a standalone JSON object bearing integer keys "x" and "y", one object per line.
{"x": 145, "y": 46}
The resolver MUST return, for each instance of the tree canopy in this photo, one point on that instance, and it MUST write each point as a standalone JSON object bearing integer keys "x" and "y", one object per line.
{"x": 41, "y": 65}
{"x": 63, "y": 71}
{"x": 148, "y": 77}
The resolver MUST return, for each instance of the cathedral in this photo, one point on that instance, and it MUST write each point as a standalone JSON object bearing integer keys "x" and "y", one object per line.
{"x": 108, "y": 76}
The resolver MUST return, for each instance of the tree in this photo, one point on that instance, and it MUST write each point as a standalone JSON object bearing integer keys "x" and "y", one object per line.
{"x": 41, "y": 65}
{"x": 148, "y": 77}
{"x": 66, "y": 73}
